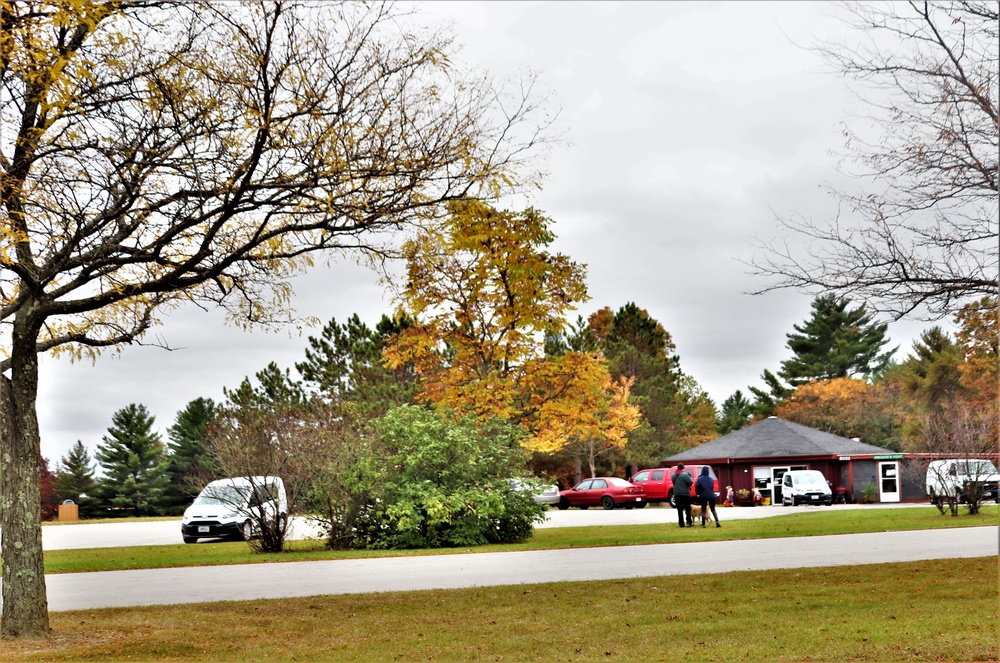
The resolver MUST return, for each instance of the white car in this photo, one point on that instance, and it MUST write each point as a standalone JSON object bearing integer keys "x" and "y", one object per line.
{"x": 231, "y": 508}
{"x": 542, "y": 493}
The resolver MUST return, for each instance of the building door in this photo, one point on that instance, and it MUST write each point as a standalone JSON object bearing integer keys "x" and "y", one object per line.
{"x": 888, "y": 473}
{"x": 776, "y": 474}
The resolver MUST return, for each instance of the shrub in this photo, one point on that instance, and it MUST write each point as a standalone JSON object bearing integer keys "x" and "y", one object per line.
{"x": 431, "y": 480}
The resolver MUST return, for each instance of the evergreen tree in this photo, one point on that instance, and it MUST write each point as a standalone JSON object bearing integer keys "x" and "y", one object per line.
{"x": 932, "y": 375}
{"x": 766, "y": 402}
{"x": 75, "y": 481}
{"x": 735, "y": 414}
{"x": 275, "y": 388}
{"x": 676, "y": 412}
{"x": 835, "y": 342}
{"x": 132, "y": 457}
{"x": 344, "y": 366}
{"x": 190, "y": 464}
{"x": 579, "y": 337}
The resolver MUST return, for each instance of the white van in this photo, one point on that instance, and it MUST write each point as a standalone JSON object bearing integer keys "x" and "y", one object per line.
{"x": 951, "y": 478}
{"x": 231, "y": 508}
{"x": 805, "y": 487}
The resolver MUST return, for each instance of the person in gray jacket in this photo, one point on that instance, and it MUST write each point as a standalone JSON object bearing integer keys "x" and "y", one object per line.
{"x": 682, "y": 495}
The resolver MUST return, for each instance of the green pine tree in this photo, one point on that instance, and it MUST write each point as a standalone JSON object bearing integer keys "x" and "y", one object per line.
{"x": 344, "y": 366}
{"x": 835, "y": 342}
{"x": 190, "y": 464}
{"x": 766, "y": 402}
{"x": 736, "y": 413}
{"x": 132, "y": 458}
{"x": 75, "y": 481}
{"x": 932, "y": 375}
{"x": 676, "y": 412}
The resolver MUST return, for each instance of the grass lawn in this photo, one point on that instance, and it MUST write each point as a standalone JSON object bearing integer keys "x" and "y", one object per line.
{"x": 929, "y": 611}
{"x": 803, "y": 524}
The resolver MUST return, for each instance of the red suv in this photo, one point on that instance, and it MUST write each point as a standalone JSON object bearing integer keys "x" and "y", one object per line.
{"x": 658, "y": 482}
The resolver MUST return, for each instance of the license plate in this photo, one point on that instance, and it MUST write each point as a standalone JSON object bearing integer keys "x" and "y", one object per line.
{"x": 814, "y": 497}
{"x": 638, "y": 499}
{"x": 203, "y": 529}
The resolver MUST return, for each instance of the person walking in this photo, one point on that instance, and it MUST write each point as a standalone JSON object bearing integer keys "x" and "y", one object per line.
{"x": 682, "y": 495}
{"x": 706, "y": 495}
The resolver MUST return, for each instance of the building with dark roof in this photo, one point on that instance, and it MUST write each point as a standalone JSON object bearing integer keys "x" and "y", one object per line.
{"x": 756, "y": 457}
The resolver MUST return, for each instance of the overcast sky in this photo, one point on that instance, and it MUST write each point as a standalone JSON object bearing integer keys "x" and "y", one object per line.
{"x": 689, "y": 127}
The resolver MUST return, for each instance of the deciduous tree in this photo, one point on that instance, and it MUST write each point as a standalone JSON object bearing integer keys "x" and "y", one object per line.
{"x": 979, "y": 335}
{"x": 251, "y": 436}
{"x": 847, "y": 407}
{"x": 482, "y": 292}
{"x": 924, "y": 232}
{"x": 47, "y": 492}
{"x": 155, "y": 153}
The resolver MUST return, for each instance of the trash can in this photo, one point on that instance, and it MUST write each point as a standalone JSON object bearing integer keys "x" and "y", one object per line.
{"x": 69, "y": 511}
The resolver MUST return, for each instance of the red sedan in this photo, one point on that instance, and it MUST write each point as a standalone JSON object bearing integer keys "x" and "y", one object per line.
{"x": 609, "y": 492}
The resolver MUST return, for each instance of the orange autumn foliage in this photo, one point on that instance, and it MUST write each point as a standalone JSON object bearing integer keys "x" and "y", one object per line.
{"x": 483, "y": 291}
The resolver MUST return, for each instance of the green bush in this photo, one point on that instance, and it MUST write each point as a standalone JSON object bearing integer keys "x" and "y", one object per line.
{"x": 444, "y": 482}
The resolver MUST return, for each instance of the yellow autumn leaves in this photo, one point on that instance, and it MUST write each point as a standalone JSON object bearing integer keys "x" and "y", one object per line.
{"x": 484, "y": 291}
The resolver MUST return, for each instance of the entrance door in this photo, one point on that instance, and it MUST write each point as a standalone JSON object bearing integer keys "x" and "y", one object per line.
{"x": 888, "y": 473}
{"x": 776, "y": 474}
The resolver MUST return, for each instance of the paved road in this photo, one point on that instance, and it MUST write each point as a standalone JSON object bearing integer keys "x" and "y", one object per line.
{"x": 293, "y": 579}
{"x": 159, "y": 533}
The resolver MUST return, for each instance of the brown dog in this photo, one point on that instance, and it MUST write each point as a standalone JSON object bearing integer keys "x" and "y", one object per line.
{"x": 696, "y": 512}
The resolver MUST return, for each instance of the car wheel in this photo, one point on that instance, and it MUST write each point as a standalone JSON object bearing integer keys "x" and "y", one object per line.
{"x": 247, "y": 530}
{"x": 563, "y": 504}
{"x": 795, "y": 502}
{"x": 671, "y": 500}
{"x": 584, "y": 507}
{"x": 608, "y": 502}
{"x": 190, "y": 539}
{"x": 628, "y": 505}
{"x": 640, "y": 505}
{"x": 283, "y": 524}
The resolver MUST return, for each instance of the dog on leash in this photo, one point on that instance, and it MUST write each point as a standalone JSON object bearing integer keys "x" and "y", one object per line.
{"x": 696, "y": 512}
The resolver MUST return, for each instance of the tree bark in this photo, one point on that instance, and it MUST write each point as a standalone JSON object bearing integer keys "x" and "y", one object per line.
{"x": 25, "y": 606}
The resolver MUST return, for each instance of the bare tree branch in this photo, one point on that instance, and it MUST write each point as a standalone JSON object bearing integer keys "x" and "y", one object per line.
{"x": 924, "y": 240}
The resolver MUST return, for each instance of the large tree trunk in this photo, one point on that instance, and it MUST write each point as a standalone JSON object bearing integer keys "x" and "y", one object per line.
{"x": 25, "y": 606}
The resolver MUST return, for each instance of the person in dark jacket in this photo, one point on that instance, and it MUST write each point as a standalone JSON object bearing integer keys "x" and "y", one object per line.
{"x": 705, "y": 488}
{"x": 682, "y": 495}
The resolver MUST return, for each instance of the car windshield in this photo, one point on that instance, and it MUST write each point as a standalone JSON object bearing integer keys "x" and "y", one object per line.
{"x": 622, "y": 483}
{"x": 222, "y": 495}
{"x": 811, "y": 480}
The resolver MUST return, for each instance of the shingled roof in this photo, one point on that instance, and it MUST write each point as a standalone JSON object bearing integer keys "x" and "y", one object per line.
{"x": 780, "y": 438}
